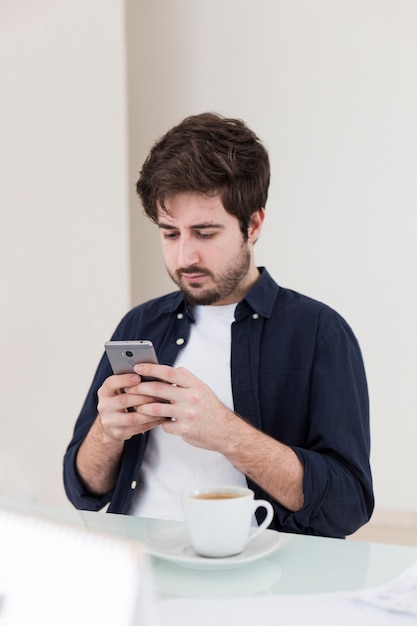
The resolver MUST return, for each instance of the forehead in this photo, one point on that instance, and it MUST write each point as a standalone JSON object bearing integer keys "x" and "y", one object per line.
{"x": 187, "y": 208}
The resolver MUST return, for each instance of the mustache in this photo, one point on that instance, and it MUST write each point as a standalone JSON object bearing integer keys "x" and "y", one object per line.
{"x": 193, "y": 269}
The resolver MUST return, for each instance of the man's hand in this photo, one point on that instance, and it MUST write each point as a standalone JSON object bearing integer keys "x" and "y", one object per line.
{"x": 193, "y": 410}
{"x": 119, "y": 399}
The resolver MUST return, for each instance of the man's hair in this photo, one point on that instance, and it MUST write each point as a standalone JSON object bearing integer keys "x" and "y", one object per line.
{"x": 207, "y": 154}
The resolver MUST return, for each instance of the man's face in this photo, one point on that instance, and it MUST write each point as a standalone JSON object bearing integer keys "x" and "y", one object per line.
{"x": 204, "y": 249}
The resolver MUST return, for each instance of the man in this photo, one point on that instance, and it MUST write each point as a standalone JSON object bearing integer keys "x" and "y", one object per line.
{"x": 257, "y": 385}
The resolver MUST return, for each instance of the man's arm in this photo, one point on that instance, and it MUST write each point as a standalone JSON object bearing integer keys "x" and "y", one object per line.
{"x": 270, "y": 464}
{"x": 99, "y": 455}
{"x": 98, "y": 460}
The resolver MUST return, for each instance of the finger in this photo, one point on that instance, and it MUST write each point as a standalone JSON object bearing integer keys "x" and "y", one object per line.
{"x": 123, "y": 418}
{"x": 113, "y": 384}
{"x": 124, "y": 432}
{"x": 120, "y": 402}
{"x": 132, "y": 401}
{"x": 159, "y": 409}
{"x": 139, "y": 421}
{"x": 160, "y": 391}
{"x": 174, "y": 376}
{"x": 150, "y": 425}
{"x": 172, "y": 428}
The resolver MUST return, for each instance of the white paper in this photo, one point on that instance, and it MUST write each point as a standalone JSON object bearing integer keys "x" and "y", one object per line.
{"x": 397, "y": 596}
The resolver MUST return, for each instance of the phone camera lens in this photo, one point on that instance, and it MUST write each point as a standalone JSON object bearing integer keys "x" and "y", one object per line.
{"x": 129, "y": 353}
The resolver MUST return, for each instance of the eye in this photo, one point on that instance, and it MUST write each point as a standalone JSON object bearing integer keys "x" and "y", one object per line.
{"x": 204, "y": 235}
{"x": 170, "y": 235}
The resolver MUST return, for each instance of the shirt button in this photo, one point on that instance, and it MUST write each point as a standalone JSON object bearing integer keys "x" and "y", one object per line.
{"x": 133, "y": 484}
{"x": 255, "y": 316}
{"x": 180, "y": 341}
{"x": 180, "y": 316}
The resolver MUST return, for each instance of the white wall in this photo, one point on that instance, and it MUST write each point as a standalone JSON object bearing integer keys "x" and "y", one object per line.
{"x": 330, "y": 85}
{"x": 64, "y": 216}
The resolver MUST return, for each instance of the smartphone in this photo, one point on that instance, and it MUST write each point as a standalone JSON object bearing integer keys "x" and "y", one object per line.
{"x": 124, "y": 355}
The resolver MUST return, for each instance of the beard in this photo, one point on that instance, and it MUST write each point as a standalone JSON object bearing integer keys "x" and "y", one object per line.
{"x": 225, "y": 283}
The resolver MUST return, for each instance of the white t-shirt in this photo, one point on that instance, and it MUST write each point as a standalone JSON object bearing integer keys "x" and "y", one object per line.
{"x": 172, "y": 466}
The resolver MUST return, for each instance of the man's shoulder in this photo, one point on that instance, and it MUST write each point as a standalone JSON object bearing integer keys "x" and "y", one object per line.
{"x": 295, "y": 300}
{"x": 270, "y": 298}
{"x": 297, "y": 310}
{"x": 284, "y": 296}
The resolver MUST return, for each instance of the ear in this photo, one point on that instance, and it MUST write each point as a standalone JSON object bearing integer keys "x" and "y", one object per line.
{"x": 255, "y": 225}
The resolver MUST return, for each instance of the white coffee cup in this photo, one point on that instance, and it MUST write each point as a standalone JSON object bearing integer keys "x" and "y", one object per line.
{"x": 219, "y": 518}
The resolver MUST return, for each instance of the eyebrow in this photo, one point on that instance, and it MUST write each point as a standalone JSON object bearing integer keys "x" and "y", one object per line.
{"x": 201, "y": 226}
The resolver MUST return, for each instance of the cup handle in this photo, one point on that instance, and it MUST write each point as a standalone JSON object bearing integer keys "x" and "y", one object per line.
{"x": 268, "y": 519}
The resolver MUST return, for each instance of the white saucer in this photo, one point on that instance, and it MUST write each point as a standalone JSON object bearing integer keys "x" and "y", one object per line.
{"x": 174, "y": 545}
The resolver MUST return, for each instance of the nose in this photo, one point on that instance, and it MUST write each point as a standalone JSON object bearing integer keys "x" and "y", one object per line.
{"x": 187, "y": 252}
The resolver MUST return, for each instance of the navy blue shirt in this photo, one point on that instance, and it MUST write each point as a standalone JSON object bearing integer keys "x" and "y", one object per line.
{"x": 297, "y": 375}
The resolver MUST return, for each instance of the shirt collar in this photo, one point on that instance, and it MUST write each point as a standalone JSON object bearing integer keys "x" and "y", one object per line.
{"x": 261, "y": 298}
{"x": 176, "y": 303}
